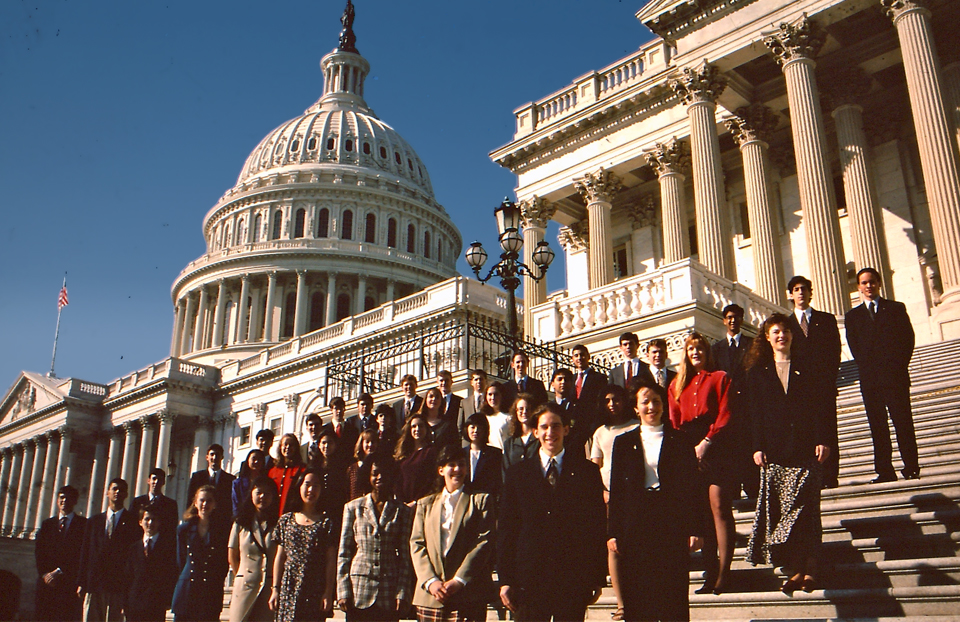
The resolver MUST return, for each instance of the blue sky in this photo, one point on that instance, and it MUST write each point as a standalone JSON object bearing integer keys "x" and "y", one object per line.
{"x": 121, "y": 124}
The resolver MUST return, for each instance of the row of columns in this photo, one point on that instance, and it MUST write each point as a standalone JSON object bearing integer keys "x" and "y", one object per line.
{"x": 199, "y": 325}
{"x": 31, "y": 472}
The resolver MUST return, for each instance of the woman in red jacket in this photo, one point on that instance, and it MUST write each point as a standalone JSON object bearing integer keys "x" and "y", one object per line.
{"x": 698, "y": 408}
{"x": 287, "y": 468}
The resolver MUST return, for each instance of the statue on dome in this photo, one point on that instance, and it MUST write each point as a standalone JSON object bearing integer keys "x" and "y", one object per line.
{"x": 348, "y": 40}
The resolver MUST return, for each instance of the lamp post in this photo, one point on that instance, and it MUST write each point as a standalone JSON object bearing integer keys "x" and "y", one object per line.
{"x": 510, "y": 268}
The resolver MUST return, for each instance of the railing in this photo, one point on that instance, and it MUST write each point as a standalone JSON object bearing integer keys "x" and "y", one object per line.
{"x": 163, "y": 369}
{"x": 627, "y": 300}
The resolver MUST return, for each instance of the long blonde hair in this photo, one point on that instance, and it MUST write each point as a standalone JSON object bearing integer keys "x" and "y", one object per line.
{"x": 685, "y": 370}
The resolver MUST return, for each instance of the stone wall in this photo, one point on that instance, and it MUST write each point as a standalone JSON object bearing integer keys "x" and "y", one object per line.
{"x": 17, "y": 557}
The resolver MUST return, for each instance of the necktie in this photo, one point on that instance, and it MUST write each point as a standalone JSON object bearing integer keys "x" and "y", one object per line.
{"x": 337, "y": 430}
{"x": 111, "y": 524}
{"x": 660, "y": 377}
{"x": 804, "y": 325}
{"x": 628, "y": 370}
{"x": 872, "y": 309}
{"x": 552, "y": 473}
{"x": 733, "y": 342}
{"x": 146, "y": 548}
{"x": 579, "y": 384}
{"x": 479, "y": 402}
{"x": 63, "y": 524}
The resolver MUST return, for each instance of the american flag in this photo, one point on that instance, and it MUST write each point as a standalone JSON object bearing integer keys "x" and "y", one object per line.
{"x": 62, "y": 299}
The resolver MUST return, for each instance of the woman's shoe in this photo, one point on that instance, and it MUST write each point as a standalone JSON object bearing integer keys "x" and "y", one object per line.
{"x": 706, "y": 588}
{"x": 618, "y": 614}
{"x": 791, "y": 585}
{"x": 809, "y": 584}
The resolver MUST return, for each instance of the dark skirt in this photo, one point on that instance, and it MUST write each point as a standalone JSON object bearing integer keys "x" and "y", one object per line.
{"x": 786, "y": 525}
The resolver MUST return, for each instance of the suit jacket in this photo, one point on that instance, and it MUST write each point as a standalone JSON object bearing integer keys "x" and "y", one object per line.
{"x": 629, "y": 497}
{"x": 469, "y": 554}
{"x": 818, "y": 351}
{"x": 618, "y": 374}
{"x": 151, "y": 578}
{"x": 255, "y": 574}
{"x": 730, "y": 359}
{"x": 223, "y": 491}
{"x": 59, "y": 550}
{"x": 402, "y": 414}
{"x": 103, "y": 559}
{"x": 530, "y": 385}
{"x": 453, "y": 409}
{"x": 488, "y": 476}
{"x": 787, "y": 426}
{"x": 515, "y": 451}
{"x": 202, "y": 569}
{"x": 169, "y": 514}
{"x": 563, "y": 530}
{"x": 882, "y": 346}
{"x": 349, "y": 433}
{"x": 593, "y": 385}
{"x": 374, "y": 557}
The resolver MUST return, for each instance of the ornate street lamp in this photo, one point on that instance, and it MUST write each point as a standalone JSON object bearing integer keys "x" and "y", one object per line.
{"x": 510, "y": 268}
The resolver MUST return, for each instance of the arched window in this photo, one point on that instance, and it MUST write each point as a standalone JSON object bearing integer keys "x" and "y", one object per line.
{"x": 239, "y": 232}
{"x": 383, "y": 152}
{"x": 439, "y": 249}
{"x": 323, "y": 223}
{"x": 329, "y": 143}
{"x": 392, "y": 233}
{"x": 277, "y": 221}
{"x": 370, "y": 231}
{"x": 396, "y": 156}
{"x": 298, "y": 223}
{"x": 289, "y": 315}
{"x": 257, "y": 223}
{"x": 316, "y": 311}
{"x": 226, "y": 236}
{"x": 312, "y": 143}
{"x": 346, "y": 229}
{"x": 426, "y": 244}
{"x": 411, "y": 238}
{"x": 227, "y": 338}
{"x": 348, "y": 145}
{"x": 369, "y": 303}
{"x": 343, "y": 306}
{"x": 366, "y": 148}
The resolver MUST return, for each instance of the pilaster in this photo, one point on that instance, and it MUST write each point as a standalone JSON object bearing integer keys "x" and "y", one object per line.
{"x": 218, "y": 318}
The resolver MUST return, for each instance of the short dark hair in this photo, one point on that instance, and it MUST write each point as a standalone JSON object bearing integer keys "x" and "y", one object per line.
{"x": 445, "y": 373}
{"x": 483, "y": 427}
{"x": 153, "y": 508}
{"x": 365, "y": 398}
{"x": 119, "y": 481}
{"x": 160, "y": 473}
{"x": 217, "y": 448}
{"x": 872, "y": 271}
{"x": 314, "y": 418}
{"x": 408, "y": 378}
{"x": 799, "y": 280}
{"x": 732, "y": 308}
{"x": 338, "y": 401}
{"x": 450, "y": 454}
{"x": 520, "y": 353}
{"x": 71, "y": 493}
{"x": 631, "y": 337}
{"x": 658, "y": 342}
{"x": 580, "y": 348}
{"x": 643, "y": 383}
{"x": 550, "y": 407}
{"x": 478, "y": 372}
{"x": 562, "y": 371}
{"x": 266, "y": 433}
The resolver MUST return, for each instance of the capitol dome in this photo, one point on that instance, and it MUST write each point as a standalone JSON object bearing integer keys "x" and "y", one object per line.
{"x": 332, "y": 214}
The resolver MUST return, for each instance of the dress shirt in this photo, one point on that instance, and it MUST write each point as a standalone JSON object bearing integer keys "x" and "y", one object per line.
{"x": 111, "y": 514}
{"x": 449, "y": 507}
{"x": 652, "y": 438}
{"x": 214, "y": 474}
{"x": 734, "y": 340}
{"x": 799, "y": 313}
{"x": 525, "y": 438}
{"x": 658, "y": 370}
{"x": 631, "y": 368}
{"x": 474, "y": 457}
{"x": 150, "y": 541}
{"x": 69, "y": 517}
{"x": 545, "y": 461}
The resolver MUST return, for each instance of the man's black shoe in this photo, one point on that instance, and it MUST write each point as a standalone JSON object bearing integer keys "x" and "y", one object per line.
{"x": 883, "y": 479}
{"x": 911, "y": 474}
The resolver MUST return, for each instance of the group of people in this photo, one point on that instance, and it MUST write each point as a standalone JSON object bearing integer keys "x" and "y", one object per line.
{"x": 410, "y": 508}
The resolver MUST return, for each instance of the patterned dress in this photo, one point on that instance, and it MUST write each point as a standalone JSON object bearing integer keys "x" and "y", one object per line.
{"x": 304, "y": 573}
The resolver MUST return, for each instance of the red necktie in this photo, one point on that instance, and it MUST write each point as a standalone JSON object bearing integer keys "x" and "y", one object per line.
{"x": 579, "y": 384}
{"x": 628, "y": 371}
{"x": 337, "y": 429}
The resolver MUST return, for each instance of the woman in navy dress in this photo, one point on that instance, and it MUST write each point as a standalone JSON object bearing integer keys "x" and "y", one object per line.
{"x": 202, "y": 559}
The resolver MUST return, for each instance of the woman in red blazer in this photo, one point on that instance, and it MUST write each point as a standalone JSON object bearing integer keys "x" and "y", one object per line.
{"x": 698, "y": 409}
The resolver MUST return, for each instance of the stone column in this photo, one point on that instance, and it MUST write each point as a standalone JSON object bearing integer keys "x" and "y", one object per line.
{"x": 268, "y": 332}
{"x": 218, "y": 315}
{"x": 201, "y": 440}
{"x": 7, "y": 455}
{"x": 951, "y": 89}
{"x": 129, "y": 471}
{"x": 361, "y": 294}
{"x": 98, "y": 471}
{"x": 300, "y": 312}
{"x": 331, "y": 298}
{"x": 794, "y": 47}
{"x": 750, "y": 128}
{"x": 536, "y": 213}
{"x": 23, "y": 489}
{"x": 11, "y": 504}
{"x": 698, "y": 90}
{"x": 847, "y": 87}
{"x": 149, "y": 426}
{"x": 63, "y": 462}
{"x": 391, "y": 290}
{"x": 48, "y": 487}
{"x": 114, "y": 461}
{"x": 35, "y": 485}
{"x": 166, "y": 433}
{"x": 935, "y": 135}
{"x": 200, "y": 332}
{"x": 669, "y": 161}
{"x": 256, "y": 313}
{"x": 177, "y": 328}
{"x": 242, "y": 318}
{"x": 186, "y": 344}
{"x": 598, "y": 190}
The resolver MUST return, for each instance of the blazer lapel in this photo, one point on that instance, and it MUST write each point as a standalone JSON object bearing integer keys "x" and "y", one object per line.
{"x": 432, "y": 533}
{"x": 458, "y": 513}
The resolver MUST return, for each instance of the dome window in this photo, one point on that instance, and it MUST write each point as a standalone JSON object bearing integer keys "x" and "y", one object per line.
{"x": 298, "y": 223}
{"x": 346, "y": 229}
{"x": 426, "y": 244}
{"x": 295, "y": 145}
{"x": 312, "y": 143}
{"x": 370, "y": 231}
{"x": 277, "y": 221}
{"x": 383, "y": 152}
{"x": 366, "y": 148}
{"x": 439, "y": 249}
{"x": 411, "y": 238}
{"x": 257, "y": 223}
{"x": 323, "y": 223}
{"x": 316, "y": 312}
{"x": 392, "y": 233}
{"x": 396, "y": 156}
{"x": 410, "y": 165}
{"x": 289, "y": 316}
{"x": 329, "y": 143}
{"x": 349, "y": 145}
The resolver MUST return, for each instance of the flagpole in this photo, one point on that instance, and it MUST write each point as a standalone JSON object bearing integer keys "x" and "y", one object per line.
{"x": 56, "y": 335}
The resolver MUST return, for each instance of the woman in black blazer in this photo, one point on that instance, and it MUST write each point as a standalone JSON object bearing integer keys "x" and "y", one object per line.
{"x": 202, "y": 559}
{"x": 790, "y": 443}
{"x": 522, "y": 443}
{"x": 484, "y": 462}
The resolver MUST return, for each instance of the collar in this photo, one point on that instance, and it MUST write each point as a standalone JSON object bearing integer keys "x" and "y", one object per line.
{"x": 452, "y": 497}
{"x": 213, "y": 472}
{"x": 545, "y": 459}
{"x": 651, "y": 429}
{"x": 69, "y": 516}
{"x": 519, "y": 379}
{"x": 734, "y": 338}
{"x": 805, "y": 312}
{"x": 151, "y": 539}
{"x": 110, "y": 513}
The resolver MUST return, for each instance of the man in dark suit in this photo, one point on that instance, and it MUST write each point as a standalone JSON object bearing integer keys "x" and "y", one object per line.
{"x": 151, "y": 568}
{"x": 522, "y": 383}
{"x": 265, "y": 444}
{"x": 552, "y": 531}
{"x": 310, "y": 448}
{"x": 881, "y": 339}
{"x": 476, "y": 399}
{"x": 410, "y": 402}
{"x": 347, "y": 434}
{"x": 588, "y": 385}
{"x": 631, "y": 367}
{"x": 728, "y": 356}
{"x": 364, "y": 419}
{"x": 57, "y": 552}
{"x": 215, "y": 476}
{"x": 452, "y": 403}
{"x": 102, "y": 580}
{"x": 816, "y": 346}
{"x": 163, "y": 505}
{"x": 657, "y": 355}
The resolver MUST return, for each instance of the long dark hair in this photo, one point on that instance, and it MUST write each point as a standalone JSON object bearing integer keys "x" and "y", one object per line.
{"x": 487, "y": 409}
{"x": 248, "y": 512}
{"x": 295, "y": 501}
{"x": 761, "y": 352}
{"x": 406, "y": 445}
{"x": 516, "y": 428}
{"x": 625, "y": 406}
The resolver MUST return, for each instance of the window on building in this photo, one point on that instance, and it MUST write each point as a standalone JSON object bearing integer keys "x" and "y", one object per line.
{"x": 244, "y": 436}
{"x": 277, "y": 221}
{"x": 295, "y": 145}
{"x": 439, "y": 249}
{"x": 298, "y": 223}
{"x": 621, "y": 267}
{"x": 239, "y": 232}
{"x": 329, "y": 143}
{"x": 323, "y": 223}
{"x": 289, "y": 315}
{"x": 316, "y": 311}
{"x": 369, "y": 303}
{"x": 312, "y": 143}
{"x": 226, "y": 236}
{"x": 348, "y": 145}
{"x": 396, "y": 156}
{"x": 744, "y": 222}
{"x": 276, "y": 426}
{"x": 392, "y": 233}
{"x": 257, "y": 223}
{"x": 366, "y": 148}
{"x": 343, "y": 306}
{"x": 346, "y": 228}
{"x": 383, "y": 152}
{"x": 370, "y": 230}
{"x": 426, "y": 244}
{"x": 411, "y": 238}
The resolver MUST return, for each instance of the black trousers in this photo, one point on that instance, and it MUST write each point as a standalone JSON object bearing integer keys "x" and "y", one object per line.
{"x": 878, "y": 399}
{"x": 560, "y": 607}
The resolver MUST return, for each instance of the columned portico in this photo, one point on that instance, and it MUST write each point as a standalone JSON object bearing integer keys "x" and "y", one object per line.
{"x": 269, "y": 333}
{"x": 300, "y": 312}
{"x": 187, "y": 344}
{"x": 200, "y": 332}
{"x": 178, "y": 320}
{"x": 331, "y": 298}
{"x": 598, "y": 190}
{"x": 11, "y": 506}
{"x": 795, "y": 46}
{"x": 242, "y": 308}
{"x": 98, "y": 472}
{"x": 361, "y": 294}
{"x": 669, "y": 160}
{"x": 167, "y": 419}
{"x": 6, "y": 455}
{"x": 61, "y": 468}
{"x": 536, "y": 213}
{"x": 698, "y": 90}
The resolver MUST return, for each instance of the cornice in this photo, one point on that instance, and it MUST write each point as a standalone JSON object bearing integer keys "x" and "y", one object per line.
{"x": 687, "y": 16}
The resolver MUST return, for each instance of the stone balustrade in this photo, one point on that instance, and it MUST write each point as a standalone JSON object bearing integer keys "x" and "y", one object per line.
{"x": 671, "y": 287}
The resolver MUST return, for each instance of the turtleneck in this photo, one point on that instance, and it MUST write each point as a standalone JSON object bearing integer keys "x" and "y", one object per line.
{"x": 652, "y": 438}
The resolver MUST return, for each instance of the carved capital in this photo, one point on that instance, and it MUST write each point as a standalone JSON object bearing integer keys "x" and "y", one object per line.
{"x": 783, "y": 159}
{"x": 600, "y": 186}
{"x": 753, "y": 122}
{"x": 49, "y": 435}
{"x": 147, "y": 421}
{"x": 670, "y": 157}
{"x": 18, "y": 448}
{"x": 117, "y": 432}
{"x": 260, "y": 409}
{"x": 65, "y": 431}
{"x": 845, "y": 86}
{"x": 792, "y": 41}
{"x": 896, "y": 8}
{"x": 292, "y": 401}
{"x": 644, "y": 212}
{"x": 699, "y": 85}
{"x": 30, "y": 444}
{"x": 166, "y": 417}
{"x": 536, "y": 212}
{"x": 7, "y": 452}
{"x": 129, "y": 428}
{"x": 574, "y": 238}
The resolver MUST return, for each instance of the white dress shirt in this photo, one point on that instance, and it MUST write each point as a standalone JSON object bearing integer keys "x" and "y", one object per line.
{"x": 110, "y": 518}
{"x": 652, "y": 438}
{"x": 447, "y": 510}
{"x": 734, "y": 340}
{"x": 545, "y": 461}
{"x": 474, "y": 458}
{"x": 799, "y": 313}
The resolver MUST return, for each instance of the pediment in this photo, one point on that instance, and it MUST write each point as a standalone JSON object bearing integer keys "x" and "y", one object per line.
{"x": 655, "y": 8}
{"x": 31, "y": 392}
